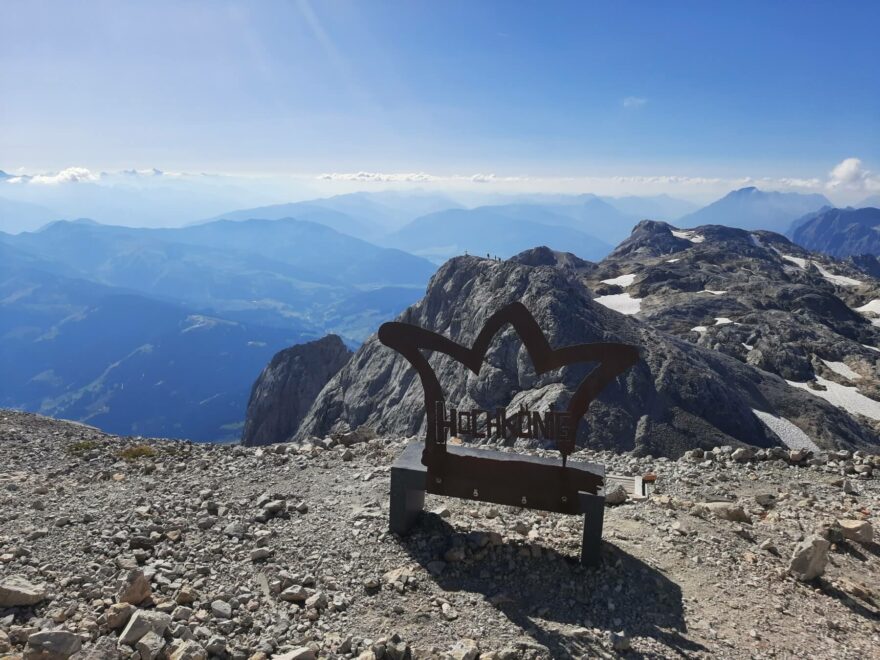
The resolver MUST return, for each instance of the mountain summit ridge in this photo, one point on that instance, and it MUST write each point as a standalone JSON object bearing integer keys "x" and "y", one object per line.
{"x": 678, "y": 397}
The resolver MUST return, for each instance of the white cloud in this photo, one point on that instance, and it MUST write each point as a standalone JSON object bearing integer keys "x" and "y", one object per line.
{"x": 69, "y": 175}
{"x": 416, "y": 177}
{"x": 381, "y": 177}
{"x": 851, "y": 175}
{"x": 634, "y": 102}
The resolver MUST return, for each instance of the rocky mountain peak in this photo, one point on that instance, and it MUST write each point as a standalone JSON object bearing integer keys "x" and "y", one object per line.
{"x": 679, "y": 396}
{"x": 287, "y": 386}
{"x": 544, "y": 256}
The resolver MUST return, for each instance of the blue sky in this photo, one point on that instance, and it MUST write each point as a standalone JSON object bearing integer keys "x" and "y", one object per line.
{"x": 776, "y": 90}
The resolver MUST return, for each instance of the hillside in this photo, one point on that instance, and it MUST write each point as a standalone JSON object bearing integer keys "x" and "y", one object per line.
{"x": 162, "y": 332}
{"x": 126, "y": 362}
{"x": 840, "y": 232}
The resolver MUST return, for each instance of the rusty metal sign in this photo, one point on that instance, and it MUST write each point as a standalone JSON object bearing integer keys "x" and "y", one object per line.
{"x": 498, "y": 477}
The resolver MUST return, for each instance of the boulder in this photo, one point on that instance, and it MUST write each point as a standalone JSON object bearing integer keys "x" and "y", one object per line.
{"x": 809, "y": 558}
{"x": 860, "y": 531}
{"x": 52, "y": 645}
{"x": 142, "y": 622}
{"x": 135, "y": 588}
{"x": 616, "y": 495}
{"x": 15, "y": 591}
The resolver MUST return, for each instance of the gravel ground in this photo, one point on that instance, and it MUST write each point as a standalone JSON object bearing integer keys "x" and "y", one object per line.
{"x": 233, "y": 552}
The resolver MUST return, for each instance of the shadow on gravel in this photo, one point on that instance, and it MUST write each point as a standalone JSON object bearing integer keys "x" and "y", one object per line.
{"x": 548, "y": 594}
{"x": 849, "y": 601}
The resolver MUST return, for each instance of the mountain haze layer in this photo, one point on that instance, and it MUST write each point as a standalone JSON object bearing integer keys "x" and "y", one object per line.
{"x": 751, "y": 208}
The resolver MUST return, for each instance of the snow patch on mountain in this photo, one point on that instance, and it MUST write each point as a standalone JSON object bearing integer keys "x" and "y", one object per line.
{"x": 621, "y": 302}
{"x": 688, "y": 235}
{"x": 840, "y": 280}
{"x": 622, "y": 280}
{"x": 848, "y": 398}
{"x": 790, "y": 435}
{"x": 873, "y": 306}
{"x": 841, "y": 369}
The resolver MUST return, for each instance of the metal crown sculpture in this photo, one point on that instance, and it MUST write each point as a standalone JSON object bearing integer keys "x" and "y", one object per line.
{"x": 455, "y": 471}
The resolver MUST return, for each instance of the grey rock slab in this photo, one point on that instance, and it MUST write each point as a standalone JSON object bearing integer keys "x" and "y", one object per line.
{"x": 15, "y": 591}
{"x": 150, "y": 646}
{"x": 142, "y": 622}
{"x": 52, "y": 645}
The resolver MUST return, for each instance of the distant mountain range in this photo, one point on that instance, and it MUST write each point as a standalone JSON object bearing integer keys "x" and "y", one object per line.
{"x": 839, "y": 232}
{"x": 161, "y": 332}
{"x": 260, "y": 271}
{"x": 587, "y": 225}
{"x": 495, "y": 230}
{"x": 750, "y": 208}
{"x": 120, "y": 360}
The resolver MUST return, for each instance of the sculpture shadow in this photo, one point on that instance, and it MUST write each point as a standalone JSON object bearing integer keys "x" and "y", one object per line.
{"x": 547, "y": 593}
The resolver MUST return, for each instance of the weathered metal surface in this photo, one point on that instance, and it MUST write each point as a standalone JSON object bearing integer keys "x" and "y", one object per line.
{"x": 494, "y": 476}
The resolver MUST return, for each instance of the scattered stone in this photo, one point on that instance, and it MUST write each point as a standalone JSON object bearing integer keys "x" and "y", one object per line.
{"x": 142, "y": 622}
{"x": 618, "y": 641}
{"x": 465, "y": 649}
{"x": 299, "y": 653}
{"x": 294, "y": 594}
{"x": 766, "y": 500}
{"x": 118, "y": 615}
{"x": 449, "y": 612}
{"x": 221, "y": 609}
{"x": 135, "y": 588}
{"x": 150, "y": 646}
{"x": 261, "y": 554}
{"x": 52, "y": 645}
{"x": 857, "y": 530}
{"x": 15, "y": 591}
{"x": 616, "y": 495}
{"x": 725, "y": 511}
{"x": 743, "y": 455}
{"x": 189, "y": 650}
{"x": 809, "y": 558}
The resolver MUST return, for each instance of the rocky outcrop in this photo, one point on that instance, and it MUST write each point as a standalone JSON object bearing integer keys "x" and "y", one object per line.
{"x": 287, "y": 387}
{"x": 840, "y": 232}
{"x": 679, "y": 396}
{"x": 759, "y": 298}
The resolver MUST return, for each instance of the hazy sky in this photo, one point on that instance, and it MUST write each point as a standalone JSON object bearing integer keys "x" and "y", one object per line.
{"x": 544, "y": 91}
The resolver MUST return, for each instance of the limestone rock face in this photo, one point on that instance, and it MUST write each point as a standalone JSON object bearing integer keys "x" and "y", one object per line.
{"x": 287, "y": 387}
{"x": 679, "y": 396}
